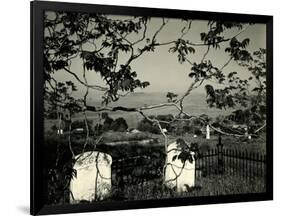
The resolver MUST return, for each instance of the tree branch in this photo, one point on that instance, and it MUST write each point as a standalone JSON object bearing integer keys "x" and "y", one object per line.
{"x": 95, "y": 87}
{"x": 143, "y": 35}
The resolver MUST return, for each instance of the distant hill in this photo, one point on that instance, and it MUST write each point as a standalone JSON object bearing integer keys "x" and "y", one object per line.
{"x": 194, "y": 104}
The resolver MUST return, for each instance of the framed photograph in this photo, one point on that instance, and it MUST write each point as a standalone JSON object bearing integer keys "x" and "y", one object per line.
{"x": 142, "y": 108}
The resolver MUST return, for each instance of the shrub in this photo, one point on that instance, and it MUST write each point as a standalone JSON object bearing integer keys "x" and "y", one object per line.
{"x": 146, "y": 125}
{"x": 181, "y": 127}
{"x": 107, "y": 124}
{"x": 58, "y": 164}
{"x": 197, "y": 131}
{"x": 167, "y": 118}
{"x": 119, "y": 124}
{"x": 196, "y": 122}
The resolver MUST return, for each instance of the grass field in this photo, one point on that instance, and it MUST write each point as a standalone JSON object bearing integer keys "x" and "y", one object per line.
{"x": 207, "y": 186}
{"x": 195, "y": 104}
{"x": 257, "y": 145}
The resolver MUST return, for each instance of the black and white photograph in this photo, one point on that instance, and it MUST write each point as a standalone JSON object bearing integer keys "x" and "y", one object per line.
{"x": 139, "y": 108}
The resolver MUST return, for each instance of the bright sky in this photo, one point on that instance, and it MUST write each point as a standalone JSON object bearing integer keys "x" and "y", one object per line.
{"x": 162, "y": 68}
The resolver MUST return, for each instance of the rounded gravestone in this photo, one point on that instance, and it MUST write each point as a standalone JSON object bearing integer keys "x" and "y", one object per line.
{"x": 93, "y": 179}
{"x": 177, "y": 174}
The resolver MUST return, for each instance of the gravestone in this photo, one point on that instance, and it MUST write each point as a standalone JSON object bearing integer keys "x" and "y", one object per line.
{"x": 60, "y": 131}
{"x": 177, "y": 174}
{"x": 93, "y": 179}
{"x": 207, "y": 132}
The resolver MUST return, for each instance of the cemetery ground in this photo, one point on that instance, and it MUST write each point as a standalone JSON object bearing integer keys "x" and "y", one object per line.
{"x": 209, "y": 183}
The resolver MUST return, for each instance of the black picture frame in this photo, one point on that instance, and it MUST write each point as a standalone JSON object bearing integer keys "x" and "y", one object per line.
{"x": 37, "y": 186}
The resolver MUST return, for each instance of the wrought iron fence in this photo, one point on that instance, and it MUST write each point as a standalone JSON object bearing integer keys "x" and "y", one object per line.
{"x": 142, "y": 170}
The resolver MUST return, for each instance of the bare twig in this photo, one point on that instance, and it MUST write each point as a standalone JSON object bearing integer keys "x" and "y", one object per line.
{"x": 206, "y": 53}
{"x": 186, "y": 29}
{"x": 229, "y": 60}
{"x": 69, "y": 140}
{"x": 143, "y": 35}
{"x": 160, "y": 28}
{"x": 259, "y": 129}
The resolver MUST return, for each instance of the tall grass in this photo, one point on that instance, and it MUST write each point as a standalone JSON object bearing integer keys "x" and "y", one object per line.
{"x": 212, "y": 185}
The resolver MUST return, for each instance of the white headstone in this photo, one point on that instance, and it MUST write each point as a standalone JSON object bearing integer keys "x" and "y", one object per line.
{"x": 177, "y": 174}
{"x": 207, "y": 132}
{"x": 60, "y": 131}
{"x": 93, "y": 180}
{"x": 246, "y": 131}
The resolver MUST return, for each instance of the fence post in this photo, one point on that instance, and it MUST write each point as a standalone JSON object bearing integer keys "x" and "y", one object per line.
{"x": 220, "y": 156}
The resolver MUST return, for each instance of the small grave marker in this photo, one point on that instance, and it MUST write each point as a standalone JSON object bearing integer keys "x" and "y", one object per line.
{"x": 93, "y": 180}
{"x": 179, "y": 175}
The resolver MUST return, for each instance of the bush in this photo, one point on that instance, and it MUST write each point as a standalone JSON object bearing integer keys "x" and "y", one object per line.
{"x": 58, "y": 167}
{"x": 168, "y": 117}
{"x": 107, "y": 123}
{"x": 181, "y": 127}
{"x": 119, "y": 124}
{"x": 197, "y": 131}
{"x": 145, "y": 125}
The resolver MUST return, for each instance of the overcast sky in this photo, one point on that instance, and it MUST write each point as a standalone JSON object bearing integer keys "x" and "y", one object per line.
{"x": 162, "y": 68}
